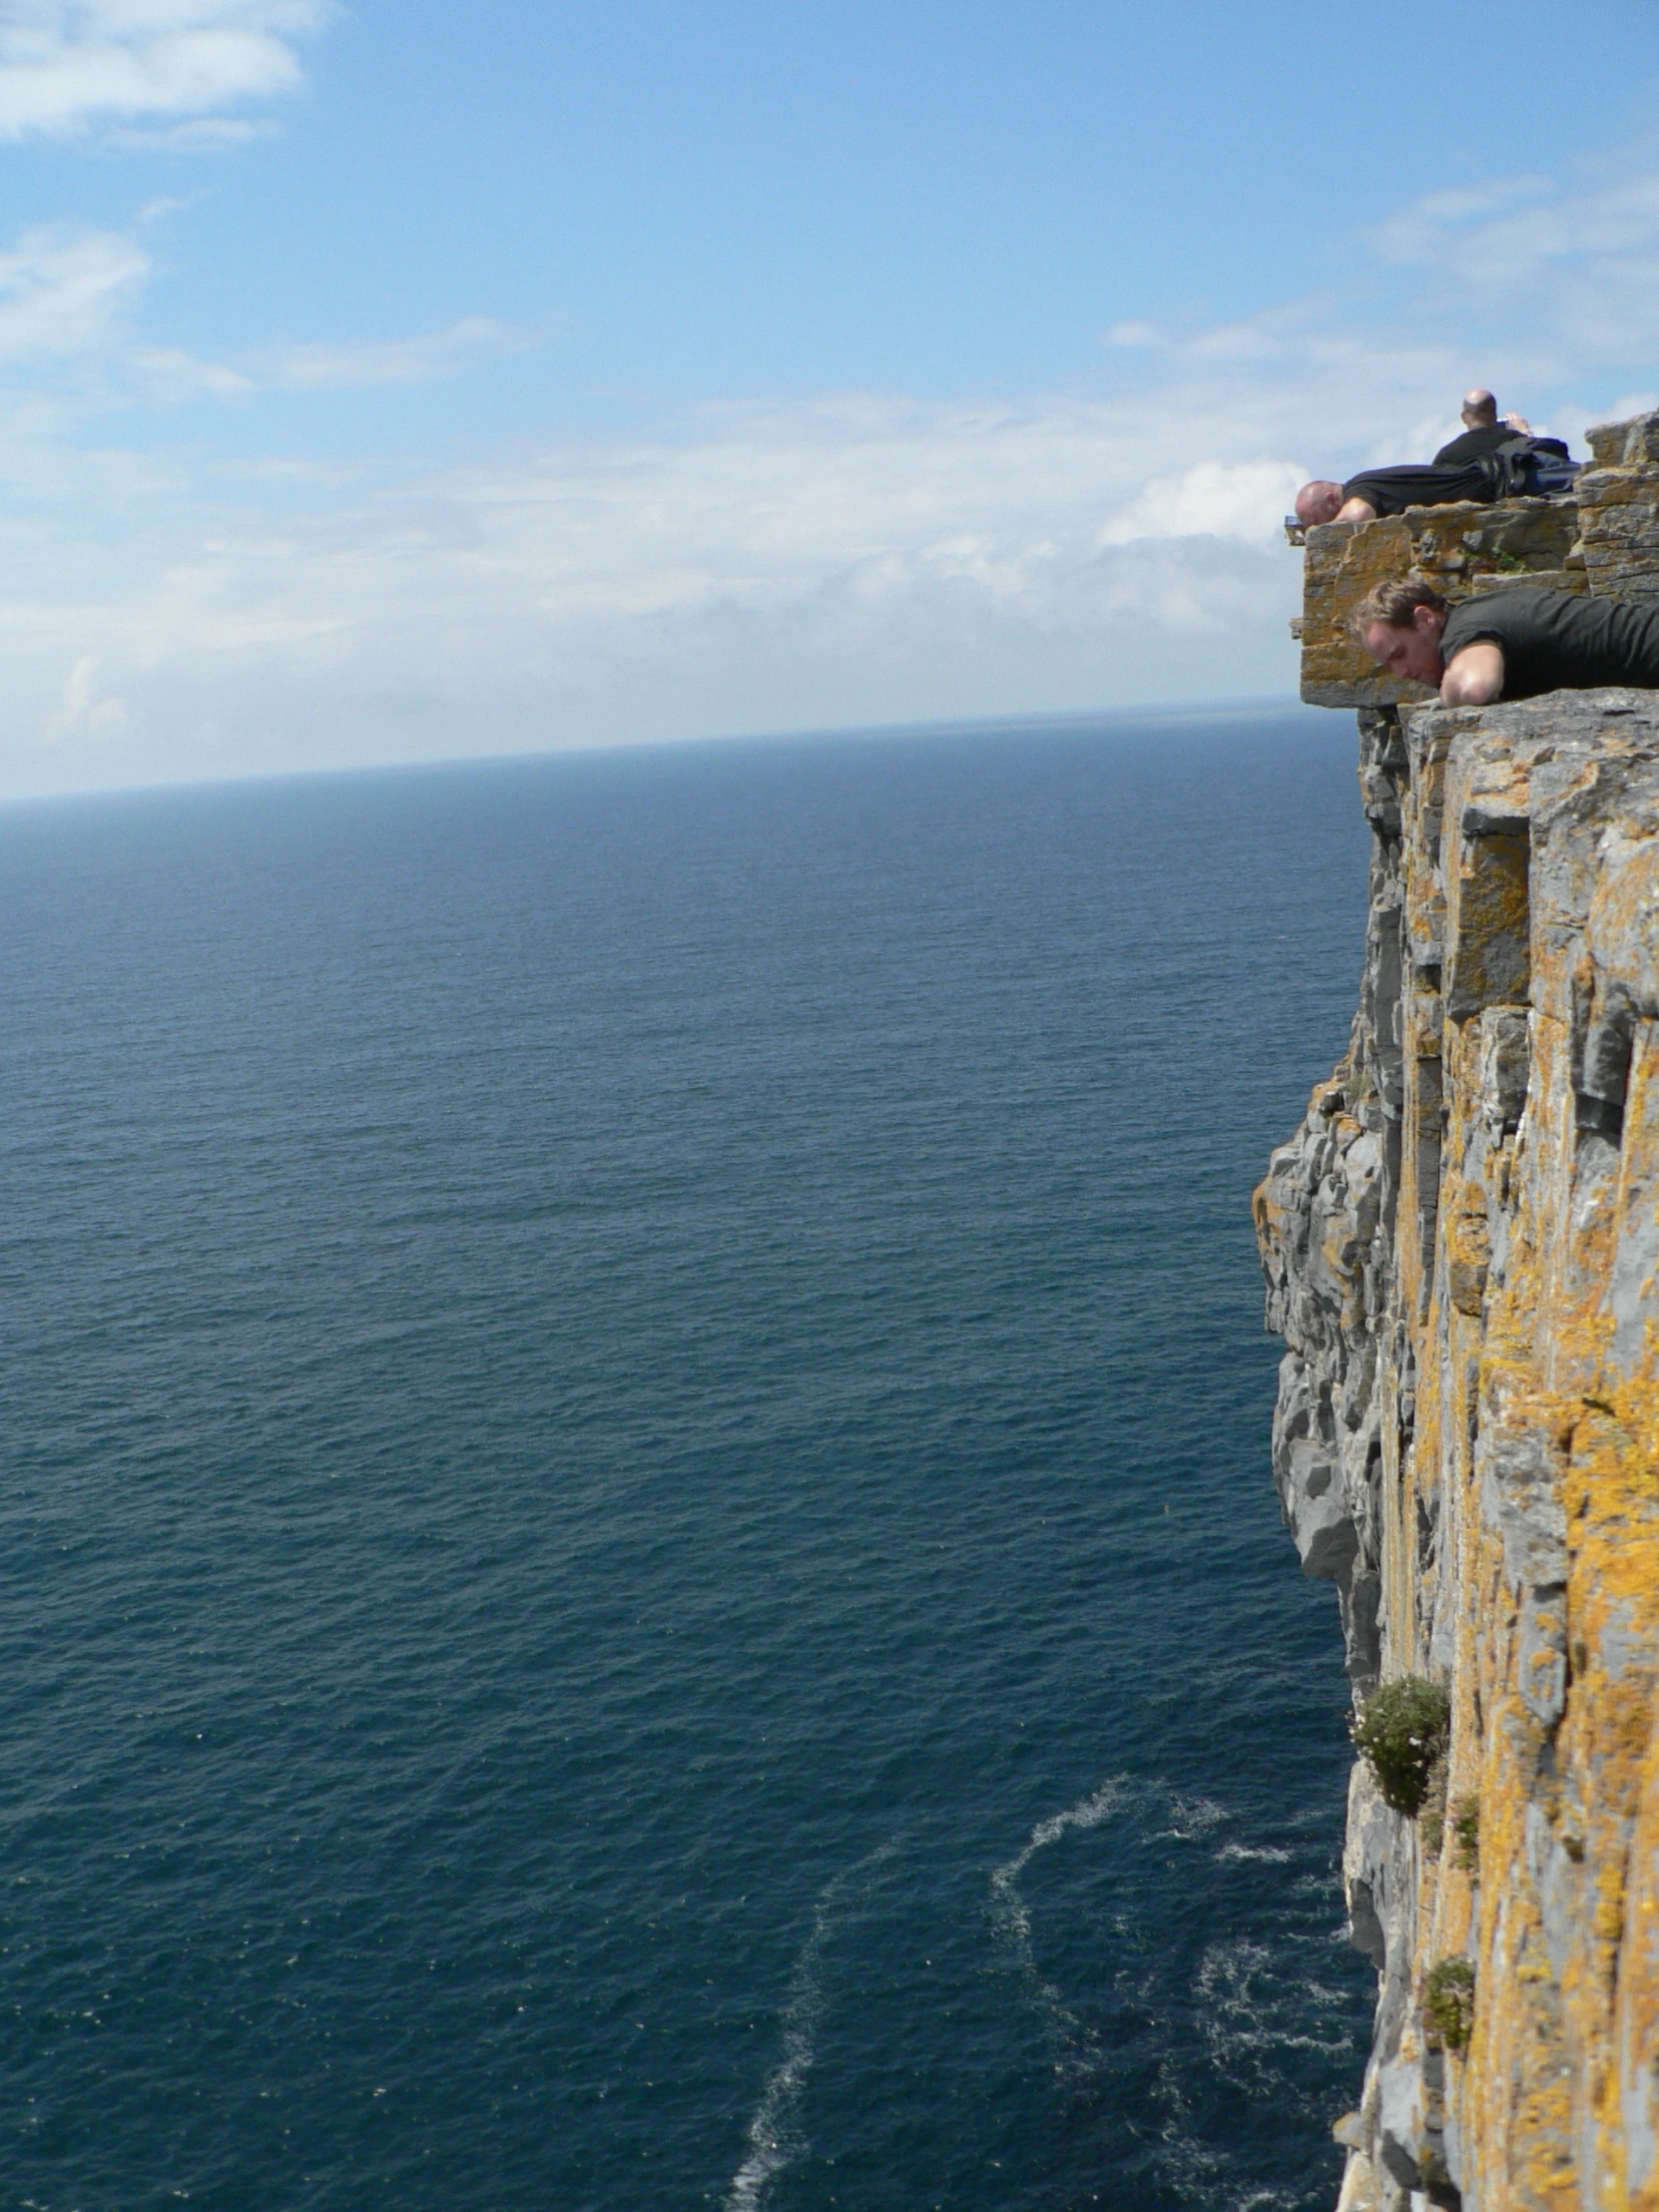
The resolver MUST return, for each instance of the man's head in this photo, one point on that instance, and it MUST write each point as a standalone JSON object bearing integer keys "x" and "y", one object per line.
{"x": 1399, "y": 624}
{"x": 1479, "y": 410}
{"x": 1317, "y": 501}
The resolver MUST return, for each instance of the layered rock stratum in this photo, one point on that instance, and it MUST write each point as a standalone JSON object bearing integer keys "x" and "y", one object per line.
{"x": 1462, "y": 1249}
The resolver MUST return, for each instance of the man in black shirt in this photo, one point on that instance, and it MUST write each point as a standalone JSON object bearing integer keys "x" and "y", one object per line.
{"x": 1389, "y": 491}
{"x": 1482, "y": 432}
{"x": 1507, "y": 644}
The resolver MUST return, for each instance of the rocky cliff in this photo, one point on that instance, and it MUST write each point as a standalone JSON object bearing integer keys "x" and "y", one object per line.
{"x": 1462, "y": 1246}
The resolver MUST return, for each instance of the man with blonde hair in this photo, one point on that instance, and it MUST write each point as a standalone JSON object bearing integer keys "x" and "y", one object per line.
{"x": 1515, "y": 643}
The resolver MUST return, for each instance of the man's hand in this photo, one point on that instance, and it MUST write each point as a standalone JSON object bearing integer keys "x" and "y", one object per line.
{"x": 1474, "y": 677}
{"x": 1520, "y": 423}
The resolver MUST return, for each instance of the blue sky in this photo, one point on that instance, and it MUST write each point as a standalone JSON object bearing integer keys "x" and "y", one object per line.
{"x": 383, "y": 384}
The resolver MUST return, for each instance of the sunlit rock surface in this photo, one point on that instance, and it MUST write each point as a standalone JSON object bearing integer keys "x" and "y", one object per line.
{"x": 1461, "y": 1248}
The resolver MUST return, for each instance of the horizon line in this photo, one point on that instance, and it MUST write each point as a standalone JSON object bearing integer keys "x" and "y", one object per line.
{"x": 1254, "y": 705}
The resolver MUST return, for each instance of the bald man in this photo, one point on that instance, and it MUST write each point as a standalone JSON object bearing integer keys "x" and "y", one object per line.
{"x": 1389, "y": 491}
{"x": 1482, "y": 432}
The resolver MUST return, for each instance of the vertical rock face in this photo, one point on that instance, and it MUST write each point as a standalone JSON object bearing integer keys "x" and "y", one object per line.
{"x": 1461, "y": 1249}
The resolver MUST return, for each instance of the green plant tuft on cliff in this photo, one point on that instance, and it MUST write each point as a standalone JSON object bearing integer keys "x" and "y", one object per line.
{"x": 1448, "y": 2004}
{"x": 1465, "y": 1829}
{"x": 1401, "y": 1734}
{"x": 1431, "y": 1818}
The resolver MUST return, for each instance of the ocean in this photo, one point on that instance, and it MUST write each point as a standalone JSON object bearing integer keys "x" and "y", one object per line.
{"x": 640, "y": 1570}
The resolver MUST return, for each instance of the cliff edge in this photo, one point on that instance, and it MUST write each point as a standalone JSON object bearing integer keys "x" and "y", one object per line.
{"x": 1462, "y": 1249}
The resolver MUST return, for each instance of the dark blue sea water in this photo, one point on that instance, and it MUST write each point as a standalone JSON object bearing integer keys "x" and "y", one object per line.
{"x": 638, "y": 1563}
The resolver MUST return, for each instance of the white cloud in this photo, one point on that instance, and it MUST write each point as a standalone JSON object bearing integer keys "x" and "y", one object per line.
{"x": 70, "y": 66}
{"x": 84, "y": 709}
{"x": 1247, "y": 501}
{"x": 346, "y": 368}
{"x": 68, "y": 298}
{"x": 171, "y": 375}
{"x": 65, "y": 293}
{"x": 212, "y": 134}
{"x": 1420, "y": 232}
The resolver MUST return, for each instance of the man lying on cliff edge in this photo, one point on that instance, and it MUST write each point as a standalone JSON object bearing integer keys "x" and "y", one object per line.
{"x": 1490, "y": 460}
{"x": 1507, "y": 644}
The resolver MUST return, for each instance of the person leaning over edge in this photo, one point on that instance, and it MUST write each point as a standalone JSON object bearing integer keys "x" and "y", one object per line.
{"x": 1389, "y": 491}
{"x": 1507, "y": 644}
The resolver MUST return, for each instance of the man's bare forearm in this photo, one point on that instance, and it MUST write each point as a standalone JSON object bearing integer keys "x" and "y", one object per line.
{"x": 1474, "y": 677}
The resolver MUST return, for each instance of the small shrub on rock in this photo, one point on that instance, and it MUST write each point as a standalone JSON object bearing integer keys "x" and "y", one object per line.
{"x": 1401, "y": 1734}
{"x": 1449, "y": 2003}
{"x": 1432, "y": 1819}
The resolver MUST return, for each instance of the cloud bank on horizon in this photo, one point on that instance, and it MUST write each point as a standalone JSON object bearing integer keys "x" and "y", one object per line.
{"x": 850, "y": 558}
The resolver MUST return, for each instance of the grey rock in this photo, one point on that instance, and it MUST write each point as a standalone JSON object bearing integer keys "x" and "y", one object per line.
{"x": 1520, "y": 1495}
{"x": 1401, "y": 2121}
